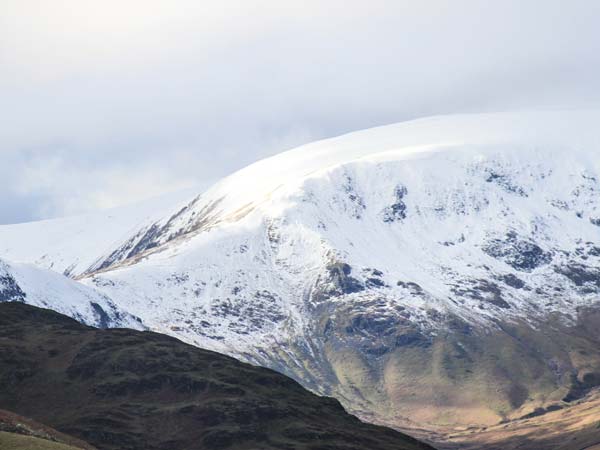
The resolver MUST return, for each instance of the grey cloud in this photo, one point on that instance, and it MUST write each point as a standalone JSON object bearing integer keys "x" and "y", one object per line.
{"x": 123, "y": 101}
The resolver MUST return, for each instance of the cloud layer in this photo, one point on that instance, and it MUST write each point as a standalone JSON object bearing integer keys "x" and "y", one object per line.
{"x": 105, "y": 103}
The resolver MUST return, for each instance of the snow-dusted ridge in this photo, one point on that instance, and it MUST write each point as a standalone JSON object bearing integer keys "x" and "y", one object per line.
{"x": 321, "y": 198}
{"x": 261, "y": 184}
{"x": 46, "y": 289}
{"x": 73, "y": 245}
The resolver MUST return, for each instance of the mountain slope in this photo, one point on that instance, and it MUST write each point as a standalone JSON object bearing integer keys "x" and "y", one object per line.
{"x": 20, "y": 433}
{"x": 14, "y": 441}
{"x": 574, "y": 427}
{"x": 124, "y": 389}
{"x": 26, "y": 283}
{"x": 265, "y": 184}
{"x": 410, "y": 282}
{"x": 72, "y": 245}
{"x": 443, "y": 271}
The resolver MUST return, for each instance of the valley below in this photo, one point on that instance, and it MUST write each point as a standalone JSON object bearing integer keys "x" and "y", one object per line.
{"x": 572, "y": 427}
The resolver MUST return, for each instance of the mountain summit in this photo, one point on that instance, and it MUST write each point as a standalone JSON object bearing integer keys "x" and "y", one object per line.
{"x": 442, "y": 271}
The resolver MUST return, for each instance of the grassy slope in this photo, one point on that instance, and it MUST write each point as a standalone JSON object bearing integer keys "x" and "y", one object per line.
{"x": 22, "y": 432}
{"x": 129, "y": 390}
{"x": 14, "y": 441}
{"x": 466, "y": 378}
{"x": 462, "y": 379}
{"x": 575, "y": 427}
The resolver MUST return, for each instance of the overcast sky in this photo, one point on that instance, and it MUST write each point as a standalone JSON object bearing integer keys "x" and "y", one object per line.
{"x": 108, "y": 102}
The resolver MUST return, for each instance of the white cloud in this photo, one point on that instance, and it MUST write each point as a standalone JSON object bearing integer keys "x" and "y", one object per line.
{"x": 135, "y": 97}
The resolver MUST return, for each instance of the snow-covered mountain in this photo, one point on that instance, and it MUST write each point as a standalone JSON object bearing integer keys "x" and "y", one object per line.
{"x": 445, "y": 270}
{"x": 73, "y": 245}
{"x": 29, "y": 284}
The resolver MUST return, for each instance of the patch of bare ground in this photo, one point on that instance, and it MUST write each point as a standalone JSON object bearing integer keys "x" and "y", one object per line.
{"x": 574, "y": 426}
{"x": 13, "y": 424}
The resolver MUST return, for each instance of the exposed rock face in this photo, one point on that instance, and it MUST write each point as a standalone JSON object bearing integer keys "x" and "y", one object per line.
{"x": 336, "y": 282}
{"x": 10, "y": 291}
{"x": 396, "y": 211}
{"x": 521, "y": 254}
{"x": 581, "y": 275}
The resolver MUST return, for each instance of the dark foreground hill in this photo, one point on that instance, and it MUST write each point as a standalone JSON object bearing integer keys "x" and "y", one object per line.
{"x": 128, "y": 390}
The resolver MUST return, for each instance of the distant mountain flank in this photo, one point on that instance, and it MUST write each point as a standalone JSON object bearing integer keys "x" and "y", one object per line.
{"x": 26, "y": 283}
{"x": 127, "y": 390}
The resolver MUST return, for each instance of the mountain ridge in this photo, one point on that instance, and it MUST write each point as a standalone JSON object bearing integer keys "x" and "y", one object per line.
{"x": 444, "y": 271}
